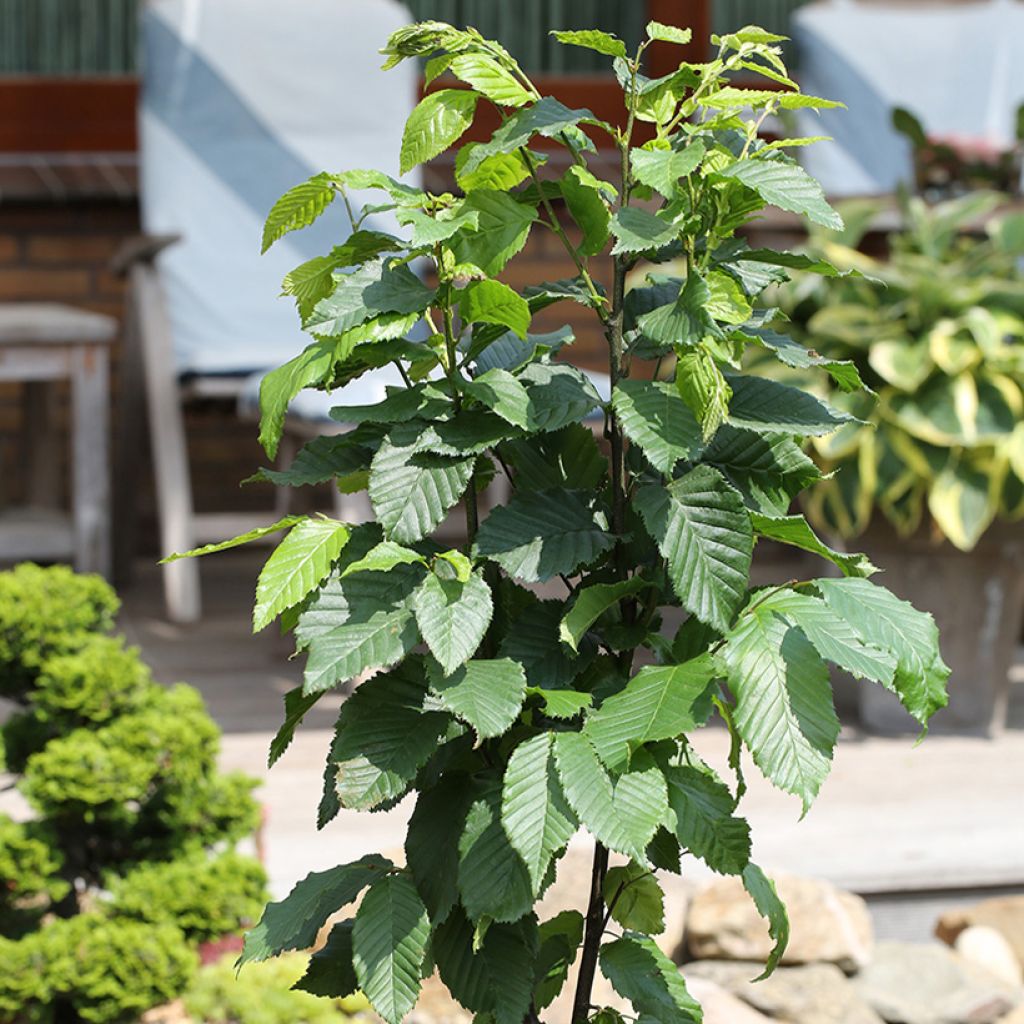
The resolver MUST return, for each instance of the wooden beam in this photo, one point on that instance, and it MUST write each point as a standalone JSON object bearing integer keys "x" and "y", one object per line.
{"x": 692, "y": 14}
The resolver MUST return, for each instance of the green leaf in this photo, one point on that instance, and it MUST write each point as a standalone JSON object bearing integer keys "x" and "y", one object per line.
{"x": 883, "y": 620}
{"x": 661, "y": 169}
{"x": 297, "y": 566}
{"x": 490, "y": 79}
{"x": 412, "y": 490}
{"x": 504, "y": 393}
{"x": 593, "y": 39}
{"x": 383, "y": 738}
{"x": 581, "y": 191}
{"x": 330, "y": 972}
{"x": 732, "y": 98}
{"x": 637, "y": 230}
{"x": 383, "y": 557}
{"x": 791, "y": 353}
{"x": 534, "y": 813}
{"x": 669, "y": 33}
{"x": 785, "y": 185}
{"x": 318, "y": 461}
{"x": 784, "y": 709}
{"x": 768, "y": 471}
{"x": 634, "y": 898}
{"x": 428, "y": 230}
{"x": 493, "y": 880}
{"x": 795, "y": 261}
{"x": 296, "y": 704}
{"x": 704, "y": 389}
{"x": 766, "y": 405}
{"x": 298, "y": 208}
{"x": 540, "y": 534}
{"x": 567, "y": 458}
{"x": 486, "y": 694}
{"x": 591, "y": 603}
{"x": 560, "y": 939}
{"x": 561, "y": 703}
{"x": 653, "y": 416}
{"x": 705, "y": 824}
{"x": 704, "y": 533}
{"x": 770, "y": 907}
{"x": 658, "y": 703}
{"x": 389, "y": 946}
{"x": 532, "y": 640}
{"x": 503, "y": 227}
{"x": 641, "y": 973}
{"x": 559, "y": 395}
{"x": 243, "y": 538}
{"x": 623, "y": 815}
{"x": 795, "y": 531}
{"x": 492, "y": 302}
{"x": 500, "y": 172}
{"x": 453, "y": 617}
{"x": 293, "y": 923}
{"x": 277, "y": 389}
{"x": 684, "y": 322}
{"x": 438, "y": 120}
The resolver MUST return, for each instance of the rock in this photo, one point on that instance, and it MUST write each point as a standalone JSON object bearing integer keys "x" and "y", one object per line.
{"x": 811, "y": 994}
{"x": 169, "y": 1013}
{"x": 826, "y": 924}
{"x": 987, "y": 948}
{"x": 1004, "y": 913}
{"x": 720, "y": 1006}
{"x": 930, "y": 984}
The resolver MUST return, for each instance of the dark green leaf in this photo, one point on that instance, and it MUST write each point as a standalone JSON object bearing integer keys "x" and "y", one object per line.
{"x": 330, "y": 972}
{"x": 770, "y": 907}
{"x": 705, "y": 824}
{"x": 684, "y": 322}
{"x": 766, "y": 405}
{"x": 641, "y": 973}
{"x": 296, "y": 704}
{"x": 591, "y": 603}
{"x": 637, "y": 230}
{"x": 786, "y": 185}
{"x": 634, "y": 898}
{"x": 560, "y": 940}
{"x": 654, "y": 417}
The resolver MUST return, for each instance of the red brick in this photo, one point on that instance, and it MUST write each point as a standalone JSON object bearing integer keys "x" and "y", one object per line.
{"x": 72, "y": 249}
{"x": 10, "y": 249}
{"x": 52, "y": 285}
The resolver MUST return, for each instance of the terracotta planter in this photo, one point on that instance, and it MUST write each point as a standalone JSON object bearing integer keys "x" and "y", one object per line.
{"x": 977, "y": 599}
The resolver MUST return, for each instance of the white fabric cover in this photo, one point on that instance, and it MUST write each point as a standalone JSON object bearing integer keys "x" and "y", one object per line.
{"x": 958, "y": 67}
{"x": 241, "y": 100}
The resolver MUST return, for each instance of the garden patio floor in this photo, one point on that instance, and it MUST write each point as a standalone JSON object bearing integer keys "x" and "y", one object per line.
{"x": 913, "y": 827}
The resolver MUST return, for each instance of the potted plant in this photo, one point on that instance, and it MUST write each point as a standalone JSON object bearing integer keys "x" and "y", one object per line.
{"x": 931, "y": 485}
{"x": 513, "y": 718}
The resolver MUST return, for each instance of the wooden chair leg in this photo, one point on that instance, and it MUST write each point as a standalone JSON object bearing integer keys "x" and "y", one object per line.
{"x": 169, "y": 448}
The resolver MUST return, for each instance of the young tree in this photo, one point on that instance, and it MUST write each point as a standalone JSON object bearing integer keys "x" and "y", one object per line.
{"x": 513, "y": 720}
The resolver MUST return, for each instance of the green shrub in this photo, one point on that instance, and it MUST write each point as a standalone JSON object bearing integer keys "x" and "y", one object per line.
{"x": 45, "y": 612}
{"x": 263, "y": 994}
{"x": 29, "y": 873}
{"x": 206, "y": 898}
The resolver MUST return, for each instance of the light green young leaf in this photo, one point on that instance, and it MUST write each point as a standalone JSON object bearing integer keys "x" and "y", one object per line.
{"x": 490, "y": 79}
{"x": 389, "y": 946}
{"x": 439, "y": 120}
{"x": 786, "y": 185}
{"x": 661, "y": 169}
{"x": 686, "y": 321}
{"x": 299, "y": 207}
{"x": 297, "y": 566}
{"x": 293, "y": 923}
{"x": 770, "y": 907}
{"x": 634, "y": 898}
{"x": 637, "y": 230}
{"x": 704, "y": 533}
{"x": 499, "y": 172}
{"x": 486, "y": 694}
{"x": 704, "y": 389}
{"x": 641, "y": 973}
{"x": 705, "y": 824}
{"x": 492, "y": 302}
{"x": 591, "y": 603}
{"x": 453, "y": 617}
{"x": 795, "y": 530}
{"x": 732, "y": 98}
{"x": 243, "y": 538}
{"x": 534, "y": 813}
{"x": 593, "y": 39}
{"x": 383, "y": 558}
{"x": 653, "y": 416}
{"x": 668, "y": 33}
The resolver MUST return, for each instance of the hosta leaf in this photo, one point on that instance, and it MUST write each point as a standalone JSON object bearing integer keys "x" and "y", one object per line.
{"x": 412, "y": 490}
{"x": 439, "y": 120}
{"x": 330, "y": 972}
{"x": 593, "y": 39}
{"x": 634, "y": 898}
{"x": 768, "y": 471}
{"x": 581, "y": 191}
{"x": 486, "y": 694}
{"x": 685, "y": 321}
{"x": 786, "y": 185}
{"x": 383, "y": 738}
{"x": 298, "y": 208}
{"x": 661, "y": 169}
{"x": 653, "y": 416}
{"x": 536, "y": 817}
{"x": 637, "y": 230}
{"x": 658, "y": 703}
{"x": 495, "y": 303}
{"x": 298, "y": 565}
{"x": 704, "y": 533}
{"x": 705, "y": 824}
{"x": 490, "y": 79}
{"x": 453, "y": 617}
{"x": 591, "y": 603}
{"x": 293, "y": 923}
{"x": 389, "y": 945}
{"x": 963, "y": 503}
{"x": 641, "y": 973}
{"x": 784, "y": 709}
{"x": 540, "y": 534}
{"x": 503, "y": 226}
{"x": 493, "y": 879}
{"x": 770, "y": 907}
{"x": 560, "y": 938}
{"x": 795, "y": 530}
{"x": 766, "y": 405}
{"x": 623, "y": 814}
{"x": 883, "y": 620}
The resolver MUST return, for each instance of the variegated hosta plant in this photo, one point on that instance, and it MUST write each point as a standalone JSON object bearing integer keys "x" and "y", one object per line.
{"x": 937, "y": 331}
{"x": 507, "y": 718}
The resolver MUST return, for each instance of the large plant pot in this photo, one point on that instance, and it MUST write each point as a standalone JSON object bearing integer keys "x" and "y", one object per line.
{"x": 977, "y": 599}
